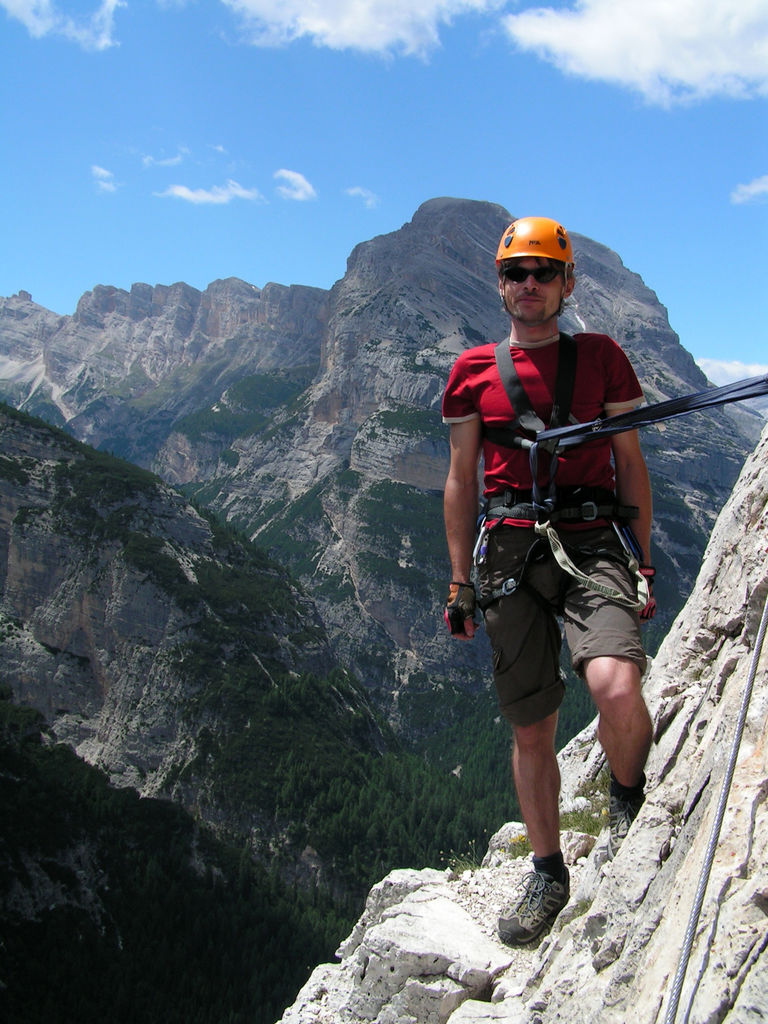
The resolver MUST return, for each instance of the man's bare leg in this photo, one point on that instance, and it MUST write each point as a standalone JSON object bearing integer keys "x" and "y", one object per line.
{"x": 537, "y": 781}
{"x": 624, "y": 729}
{"x": 545, "y": 891}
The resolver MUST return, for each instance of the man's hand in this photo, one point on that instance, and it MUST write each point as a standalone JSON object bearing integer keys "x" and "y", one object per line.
{"x": 460, "y": 610}
{"x": 649, "y": 611}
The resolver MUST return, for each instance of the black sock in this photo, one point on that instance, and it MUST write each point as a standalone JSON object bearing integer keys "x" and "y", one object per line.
{"x": 554, "y": 866}
{"x": 627, "y": 792}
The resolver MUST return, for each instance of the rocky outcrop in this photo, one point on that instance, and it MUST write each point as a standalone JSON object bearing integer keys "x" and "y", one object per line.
{"x": 425, "y": 952}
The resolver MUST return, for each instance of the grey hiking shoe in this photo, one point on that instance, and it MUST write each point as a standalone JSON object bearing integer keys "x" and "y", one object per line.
{"x": 540, "y": 900}
{"x": 621, "y": 814}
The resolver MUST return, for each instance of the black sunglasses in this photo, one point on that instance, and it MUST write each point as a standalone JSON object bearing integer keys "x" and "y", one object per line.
{"x": 519, "y": 274}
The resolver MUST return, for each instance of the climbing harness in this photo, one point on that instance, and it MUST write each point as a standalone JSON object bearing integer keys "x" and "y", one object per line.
{"x": 558, "y": 437}
{"x": 565, "y": 563}
{"x": 544, "y": 510}
{"x": 714, "y": 838}
{"x": 548, "y": 540}
{"x": 631, "y": 546}
{"x": 526, "y": 419}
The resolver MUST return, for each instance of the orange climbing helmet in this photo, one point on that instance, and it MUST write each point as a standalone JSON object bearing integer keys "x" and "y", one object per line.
{"x": 535, "y": 236}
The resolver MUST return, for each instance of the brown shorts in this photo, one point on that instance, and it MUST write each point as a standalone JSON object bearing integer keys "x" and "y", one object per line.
{"x": 523, "y": 626}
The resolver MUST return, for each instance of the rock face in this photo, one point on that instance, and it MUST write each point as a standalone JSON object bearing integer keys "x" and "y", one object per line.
{"x": 424, "y": 951}
{"x": 148, "y": 637}
{"x": 311, "y": 420}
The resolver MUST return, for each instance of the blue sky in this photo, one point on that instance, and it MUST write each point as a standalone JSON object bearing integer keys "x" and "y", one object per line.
{"x": 163, "y": 140}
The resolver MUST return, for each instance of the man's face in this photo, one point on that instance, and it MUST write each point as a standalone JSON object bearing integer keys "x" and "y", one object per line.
{"x": 529, "y": 301}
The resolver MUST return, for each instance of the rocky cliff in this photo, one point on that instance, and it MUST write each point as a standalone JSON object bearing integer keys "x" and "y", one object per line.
{"x": 161, "y": 647}
{"x": 310, "y": 419}
{"x": 425, "y": 952}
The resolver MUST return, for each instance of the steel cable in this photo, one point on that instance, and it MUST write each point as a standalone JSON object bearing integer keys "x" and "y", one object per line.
{"x": 693, "y": 920}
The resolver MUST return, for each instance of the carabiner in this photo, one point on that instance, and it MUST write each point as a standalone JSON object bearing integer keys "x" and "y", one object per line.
{"x": 481, "y": 545}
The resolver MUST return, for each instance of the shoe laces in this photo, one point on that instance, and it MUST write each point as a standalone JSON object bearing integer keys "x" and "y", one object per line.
{"x": 623, "y": 812}
{"x": 534, "y": 888}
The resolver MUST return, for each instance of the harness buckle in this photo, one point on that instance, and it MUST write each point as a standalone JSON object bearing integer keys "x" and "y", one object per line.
{"x": 508, "y": 587}
{"x": 589, "y": 511}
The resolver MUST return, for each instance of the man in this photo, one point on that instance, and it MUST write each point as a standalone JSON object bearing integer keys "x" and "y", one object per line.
{"x": 524, "y": 584}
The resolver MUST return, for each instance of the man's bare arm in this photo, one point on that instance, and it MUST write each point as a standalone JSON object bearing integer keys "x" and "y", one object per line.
{"x": 460, "y": 507}
{"x": 633, "y": 486}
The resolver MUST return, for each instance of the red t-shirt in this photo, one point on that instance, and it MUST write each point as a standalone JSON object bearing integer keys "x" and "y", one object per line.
{"x": 605, "y": 384}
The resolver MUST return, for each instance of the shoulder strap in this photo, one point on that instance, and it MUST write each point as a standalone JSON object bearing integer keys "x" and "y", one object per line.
{"x": 525, "y": 417}
{"x": 564, "y": 382}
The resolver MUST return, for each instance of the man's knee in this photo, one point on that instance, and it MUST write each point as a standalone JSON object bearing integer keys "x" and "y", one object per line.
{"x": 613, "y": 682}
{"x": 537, "y": 735}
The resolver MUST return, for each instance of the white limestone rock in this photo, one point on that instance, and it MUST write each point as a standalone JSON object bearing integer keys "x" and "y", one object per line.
{"x": 416, "y": 955}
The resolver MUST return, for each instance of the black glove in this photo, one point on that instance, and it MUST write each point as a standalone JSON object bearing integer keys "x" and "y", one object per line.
{"x": 649, "y": 611}
{"x": 459, "y": 605}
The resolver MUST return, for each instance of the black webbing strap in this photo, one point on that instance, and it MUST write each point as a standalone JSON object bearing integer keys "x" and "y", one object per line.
{"x": 509, "y": 435}
{"x": 585, "y": 512}
{"x": 564, "y": 382}
{"x": 570, "y": 436}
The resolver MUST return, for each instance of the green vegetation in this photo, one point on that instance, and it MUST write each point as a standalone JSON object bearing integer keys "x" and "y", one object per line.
{"x": 391, "y": 511}
{"x": 407, "y": 419}
{"x": 234, "y": 596}
{"x": 133, "y": 911}
{"x": 11, "y": 470}
{"x": 469, "y": 860}
{"x": 293, "y": 541}
{"x": 95, "y": 474}
{"x": 172, "y": 924}
{"x": 593, "y": 818}
{"x": 304, "y": 754}
{"x": 246, "y": 409}
{"x": 473, "y": 752}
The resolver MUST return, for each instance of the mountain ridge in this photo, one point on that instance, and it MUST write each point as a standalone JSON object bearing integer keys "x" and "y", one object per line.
{"x": 310, "y": 419}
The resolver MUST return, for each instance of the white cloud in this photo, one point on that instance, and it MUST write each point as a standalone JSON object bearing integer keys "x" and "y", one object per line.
{"x": 668, "y": 51}
{"x": 726, "y": 371}
{"x": 755, "y": 190}
{"x": 377, "y": 26}
{"x": 166, "y": 161}
{"x": 217, "y": 195}
{"x": 42, "y": 18}
{"x": 295, "y": 186}
{"x": 105, "y": 180}
{"x": 370, "y": 199}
